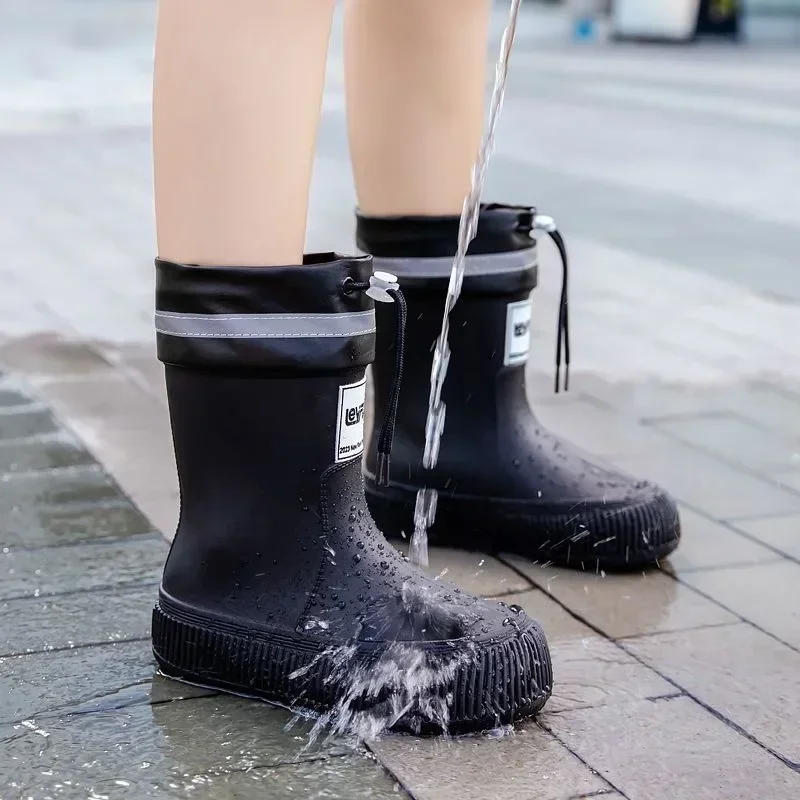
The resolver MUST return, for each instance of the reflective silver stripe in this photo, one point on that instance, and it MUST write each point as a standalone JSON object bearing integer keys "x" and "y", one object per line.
{"x": 494, "y": 264}
{"x": 264, "y": 326}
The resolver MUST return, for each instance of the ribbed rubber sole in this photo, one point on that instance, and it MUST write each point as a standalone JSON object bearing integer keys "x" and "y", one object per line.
{"x": 502, "y": 682}
{"x": 589, "y": 538}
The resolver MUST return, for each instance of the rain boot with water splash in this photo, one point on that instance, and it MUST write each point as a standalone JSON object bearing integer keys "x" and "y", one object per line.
{"x": 279, "y": 585}
{"x": 504, "y": 483}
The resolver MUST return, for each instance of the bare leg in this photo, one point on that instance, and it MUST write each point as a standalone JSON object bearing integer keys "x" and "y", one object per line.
{"x": 416, "y": 72}
{"x": 238, "y": 89}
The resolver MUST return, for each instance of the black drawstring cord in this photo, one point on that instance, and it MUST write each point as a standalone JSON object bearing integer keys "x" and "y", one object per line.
{"x": 387, "y": 429}
{"x": 562, "y": 331}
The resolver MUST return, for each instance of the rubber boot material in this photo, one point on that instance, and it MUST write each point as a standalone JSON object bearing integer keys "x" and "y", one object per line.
{"x": 278, "y": 571}
{"x": 505, "y": 483}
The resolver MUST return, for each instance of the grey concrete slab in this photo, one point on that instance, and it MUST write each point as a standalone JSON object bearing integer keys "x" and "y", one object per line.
{"x": 758, "y": 692}
{"x": 55, "y": 570}
{"x": 61, "y": 525}
{"x": 212, "y": 747}
{"x": 768, "y": 595}
{"x": 43, "y": 624}
{"x": 674, "y": 746}
{"x": 782, "y": 533}
{"x": 628, "y": 604}
{"x": 10, "y": 397}
{"x": 56, "y": 683}
{"x": 708, "y": 544}
{"x": 735, "y": 440}
{"x": 64, "y": 487}
{"x": 50, "y": 451}
{"x": 21, "y": 424}
{"x": 526, "y": 764}
{"x": 588, "y": 669}
{"x": 713, "y": 487}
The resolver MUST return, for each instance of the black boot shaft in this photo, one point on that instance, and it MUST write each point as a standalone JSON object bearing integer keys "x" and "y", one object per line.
{"x": 265, "y": 373}
{"x": 488, "y": 338}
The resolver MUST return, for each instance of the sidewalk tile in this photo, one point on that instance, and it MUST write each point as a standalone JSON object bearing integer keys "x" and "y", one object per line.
{"x": 59, "y": 525}
{"x": 740, "y": 672}
{"x": 706, "y": 544}
{"x": 627, "y": 605}
{"x": 707, "y": 484}
{"x": 600, "y": 431}
{"x": 75, "y": 619}
{"x": 27, "y": 422}
{"x": 588, "y": 669}
{"x": 780, "y": 532}
{"x": 527, "y": 764}
{"x": 53, "y": 570}
{"x": 202, "y": 747}
{"x": 768, "y": 595}
{"x": 43, "y": 453}
{"x": 675, "y": 749}
{"x": 734, "y": 439}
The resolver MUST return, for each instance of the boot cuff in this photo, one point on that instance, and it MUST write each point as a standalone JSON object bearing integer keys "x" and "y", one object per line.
{"x": 292, "y": 318}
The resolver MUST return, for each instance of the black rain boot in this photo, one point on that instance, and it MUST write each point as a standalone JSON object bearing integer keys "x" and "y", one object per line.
{"x": 505, "y": 484}
{"x": 278, "y": 584}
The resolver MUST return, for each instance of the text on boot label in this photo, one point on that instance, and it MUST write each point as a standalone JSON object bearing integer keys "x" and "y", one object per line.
{"x": 350, "y": 424}
{"x": 518, "y": 332}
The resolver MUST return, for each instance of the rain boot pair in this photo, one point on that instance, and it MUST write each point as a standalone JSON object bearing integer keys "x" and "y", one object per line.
{"x": 280, "y": 583}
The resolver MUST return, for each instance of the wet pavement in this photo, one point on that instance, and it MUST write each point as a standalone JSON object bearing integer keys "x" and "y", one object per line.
{"x": 673, "y": 173}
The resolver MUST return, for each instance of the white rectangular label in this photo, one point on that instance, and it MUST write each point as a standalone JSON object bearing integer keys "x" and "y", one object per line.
{"x": 350, "y": 425}
{"x": 518, "y": 332}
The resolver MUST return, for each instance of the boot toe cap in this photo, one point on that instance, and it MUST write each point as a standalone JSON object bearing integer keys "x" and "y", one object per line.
{"x": 628, "y": 531}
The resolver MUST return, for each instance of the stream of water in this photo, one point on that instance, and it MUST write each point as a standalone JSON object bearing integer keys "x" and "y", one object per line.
{"x": 425, "y": 509}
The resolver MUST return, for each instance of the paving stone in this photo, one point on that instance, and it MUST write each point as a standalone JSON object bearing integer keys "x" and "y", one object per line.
{"x": 652, "y": 399}
{"x": 735, "y": 439}
{"x": 53, "y": 570}
{"x": 627, "y": 605}
{"x": 780, "y": 532}
{"x": 30, "y": 422}
{"x": 85, "y": 681}
{"x": 588, "y": 669}
{"x": 43, "y": 356}
{"x": 53, "y": 683}
{"x": 739, "y": 671}
{"x": 706, "y": 544}
{"x": 353, "y": 778}
{"x": 767, "y": 406}
{"x": 598, "y": 430}
{"x": 768, "y": 595}
{"x": 672, "y": 748}
{"x": 475, "y": 573}
{"x": 59, "y": 525}
{"x": 719, "y": 490}
{"x": 75, "y": 619}
{"x": 124, "y": 426}
{"x": 63, "y": 487}
{"x": 788, "y": 479}
{"x": 527, "y": 764}
{"x": 52, "y": 451}
{"x": 12, "y": 397}
{"x": 194, "y": 747}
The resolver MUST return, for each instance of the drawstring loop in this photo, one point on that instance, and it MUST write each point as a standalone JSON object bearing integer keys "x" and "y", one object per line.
{"x": 548, "y": 225}
{"x": 383, "y": 288}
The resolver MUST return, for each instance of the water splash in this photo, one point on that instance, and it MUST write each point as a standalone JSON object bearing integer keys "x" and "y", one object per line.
{"x": 425, "y": 510}
{"x": 404, "y": 683}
